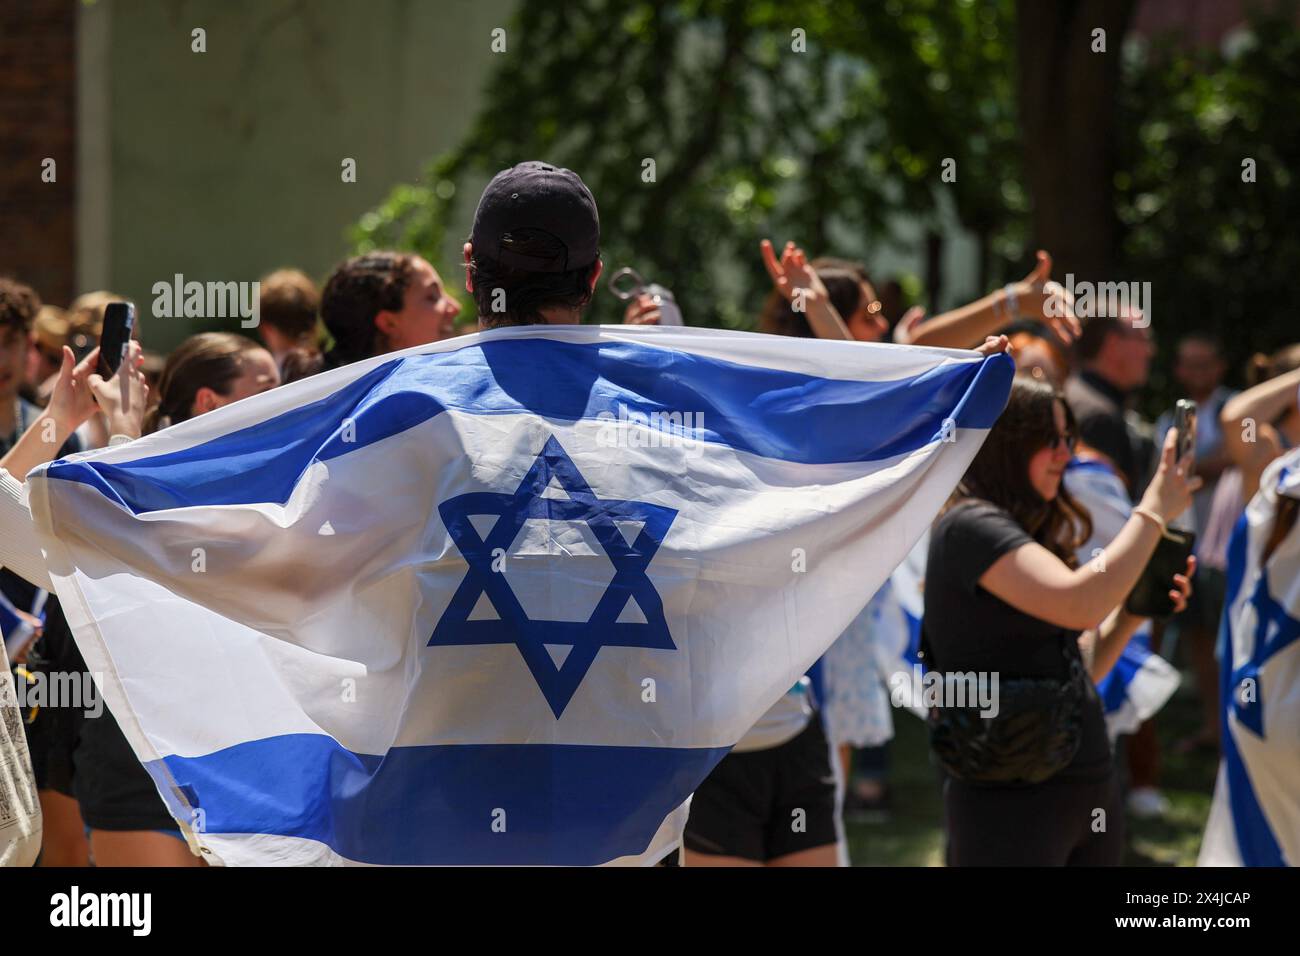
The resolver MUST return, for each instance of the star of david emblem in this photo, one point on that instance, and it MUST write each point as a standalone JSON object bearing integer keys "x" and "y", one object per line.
{"x": 1274, "y": 630}
{"x": 629, "y": 613}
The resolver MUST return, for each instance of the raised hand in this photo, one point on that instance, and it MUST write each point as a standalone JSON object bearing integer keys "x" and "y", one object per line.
{"x": 72, "y": 401}
{"x": 122, "y": 398}
{"x": 1038, "y": 298}
{"x": 1182, "y": 589}
{"x": 643, "y": 310}
{"x": 1170, "y": 492}
{"x": 793, "y": 275}
{"x": 908, "y": 324}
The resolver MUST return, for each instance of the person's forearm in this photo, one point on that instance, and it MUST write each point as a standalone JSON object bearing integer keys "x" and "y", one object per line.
{"x": 966, "y": 326}
{"x": 825, "y": 320}
{"x": 1262, "y": 404}
{"x": 1109, "y": 641}
{"x": 1102, "y": 584}
{"x": 39, "y": 444}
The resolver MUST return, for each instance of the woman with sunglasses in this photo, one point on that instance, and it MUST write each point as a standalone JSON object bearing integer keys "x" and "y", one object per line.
{"x": 1030, "y": 780}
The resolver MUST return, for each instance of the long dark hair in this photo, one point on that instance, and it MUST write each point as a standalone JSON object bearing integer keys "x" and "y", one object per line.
{"x": 357, "y": 290}
{"x": 1000, "y": 472}
{"x": 207, "y": 360}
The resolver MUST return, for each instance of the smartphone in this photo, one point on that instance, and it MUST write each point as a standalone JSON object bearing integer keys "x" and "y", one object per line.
{"x": 119, "y": 320}
{"x": 1185, "y": 427}
{"x": 1150, "y": 596}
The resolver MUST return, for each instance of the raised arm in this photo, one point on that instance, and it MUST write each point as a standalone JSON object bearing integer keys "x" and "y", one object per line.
{"x": 1034, "y": 580}
{"x": 1101, "y": 648}
{"x": 78, "y": 394}
{"x": 1263, "y": 405}
{"x": 1034, "y": 298}
{"x": 799, "y": 283}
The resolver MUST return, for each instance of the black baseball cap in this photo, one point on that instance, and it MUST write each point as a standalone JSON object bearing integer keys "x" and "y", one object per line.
{"x": 537, "y": 217}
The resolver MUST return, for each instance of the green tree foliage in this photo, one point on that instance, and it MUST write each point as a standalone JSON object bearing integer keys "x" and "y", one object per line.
{"x": 1222, "y": 254}
{"x": 750, "y": 136}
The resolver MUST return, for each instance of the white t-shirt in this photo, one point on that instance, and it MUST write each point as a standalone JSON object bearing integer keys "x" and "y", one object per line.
{"x": 783, "y": 721}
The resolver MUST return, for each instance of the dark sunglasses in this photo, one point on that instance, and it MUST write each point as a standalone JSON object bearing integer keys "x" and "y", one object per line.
{"x": 1071, "y": 442}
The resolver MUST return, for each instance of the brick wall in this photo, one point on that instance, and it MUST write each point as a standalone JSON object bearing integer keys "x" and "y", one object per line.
{"x": 38, "y": 45}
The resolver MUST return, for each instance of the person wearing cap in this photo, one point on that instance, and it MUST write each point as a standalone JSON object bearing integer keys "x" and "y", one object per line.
{"x": 534, "y": 251}
{"x": 533, "y": 257}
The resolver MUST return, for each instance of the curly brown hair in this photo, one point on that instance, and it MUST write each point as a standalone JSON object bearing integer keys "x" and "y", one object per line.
{"x": 1000, "y": 472}
{"x": 19, "y": 304}
{"x": 357, "y": 290}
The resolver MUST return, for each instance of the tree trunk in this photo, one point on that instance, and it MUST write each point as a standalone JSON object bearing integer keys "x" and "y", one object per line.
{"x": 1068, "y": 107}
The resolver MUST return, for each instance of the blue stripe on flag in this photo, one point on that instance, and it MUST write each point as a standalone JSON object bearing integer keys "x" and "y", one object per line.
{"x": 563, "y": 805}
{"x": 1255, "y": 840}
{"x": 773, "y": 413}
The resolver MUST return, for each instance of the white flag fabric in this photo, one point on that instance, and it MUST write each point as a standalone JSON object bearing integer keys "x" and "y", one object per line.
{"x": 504, "y": 599}
{"x": 1255, "y": 817}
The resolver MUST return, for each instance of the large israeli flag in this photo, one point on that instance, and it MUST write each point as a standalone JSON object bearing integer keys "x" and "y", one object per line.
{"x": 1255, "y": 817}
{"x": 505, "y": 599}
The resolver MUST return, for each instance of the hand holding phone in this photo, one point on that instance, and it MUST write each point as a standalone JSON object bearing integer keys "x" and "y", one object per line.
{"x": 119, "y": 320}
{"x": 1185, "y": 426}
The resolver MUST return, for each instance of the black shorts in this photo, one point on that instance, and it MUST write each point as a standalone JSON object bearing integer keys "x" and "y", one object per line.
{"x": 766, "y": 804}
{"x": 52, "y": 732}
{"x": 51, "y": 739}
{"x": 113, "y": 788}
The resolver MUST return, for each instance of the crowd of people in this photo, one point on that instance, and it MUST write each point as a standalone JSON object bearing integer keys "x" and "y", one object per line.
{"x": 1014, "y": 581}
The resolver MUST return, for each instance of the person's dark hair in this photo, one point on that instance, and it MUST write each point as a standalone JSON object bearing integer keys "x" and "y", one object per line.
{"x": 207, "y": 360}
{"x": 1000, "y": 472}
{"x": 357, "y": 290}
{"x": 524, "y": 294}
{"x": 289, "y": 303}
{"x": 1208, "y": 339}
{"x": 1264, "y": 367}
{"x": 1093, "y": 335}
{"x": 300, "y": 363}
{"x": 843, "y": 280}
{"x": 19, "y": 304}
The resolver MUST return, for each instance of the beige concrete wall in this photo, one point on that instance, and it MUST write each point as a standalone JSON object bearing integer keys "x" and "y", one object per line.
{"x": 226, "y": 164}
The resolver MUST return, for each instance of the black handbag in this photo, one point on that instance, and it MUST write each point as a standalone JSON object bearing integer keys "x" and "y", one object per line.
{"x": 1034, "y": 735}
